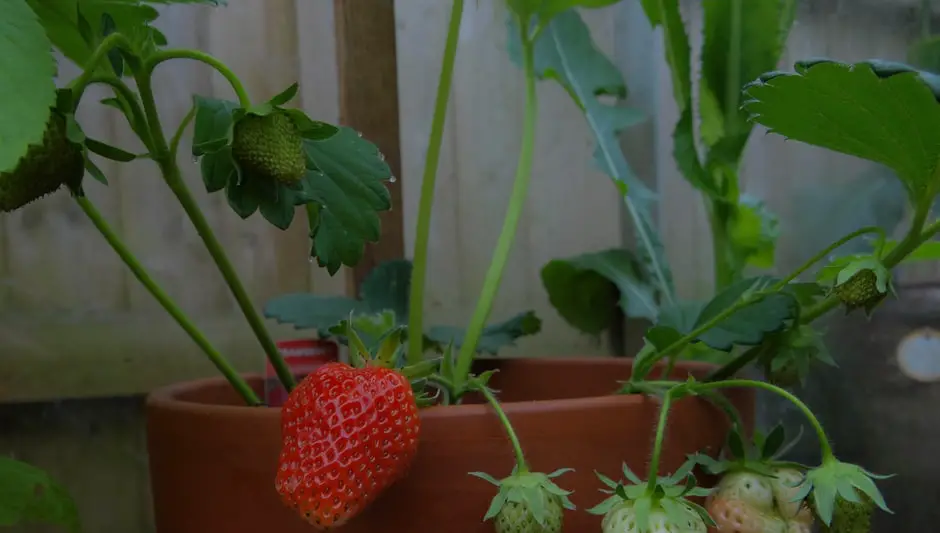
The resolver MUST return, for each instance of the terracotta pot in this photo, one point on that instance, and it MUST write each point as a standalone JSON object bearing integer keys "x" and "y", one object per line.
{"x": 213, "y": 461}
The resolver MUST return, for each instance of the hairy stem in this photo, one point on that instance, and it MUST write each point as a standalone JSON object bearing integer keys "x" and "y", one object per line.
{"x": 134, "y": 113}
{"x": 825, "y": 447}
{"x": 171, "y": 175}
{"x": 109, "y": 43}
{"x": 510, "y": 432}
{"x": 202, "y": 57}
{"x": 513, "y": 214}
{"x": 240, "y": 385}
{"x": 658, "y": 442}
{"x": 428, "y": 180}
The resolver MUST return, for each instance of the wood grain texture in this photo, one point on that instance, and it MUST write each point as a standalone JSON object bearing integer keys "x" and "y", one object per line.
{"x": 368, "y": 101}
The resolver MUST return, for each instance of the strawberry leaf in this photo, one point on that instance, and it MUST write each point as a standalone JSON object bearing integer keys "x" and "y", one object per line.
{"x": 586, "y": 289}
{"x": 884, "y": 112}
{"x": 29, "y": 496}
{"x": 749, "y": 325}
{"x": 387, "y": 289}
{"x": 566, "y": 53}
{"x": 28, "y": 87}
{"x": 348, "y": 186}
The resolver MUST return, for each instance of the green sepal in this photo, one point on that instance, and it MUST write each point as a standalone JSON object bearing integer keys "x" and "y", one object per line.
{"x": 788, "y": 356}
{"x": 835, "y": 479}
{"x": 534, "y": 490}
{"x": 668, "y": 494}
{"x": 758, "y": 455}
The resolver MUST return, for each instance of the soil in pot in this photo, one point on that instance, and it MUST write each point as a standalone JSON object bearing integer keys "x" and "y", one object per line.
{"x": 213, "y": 461}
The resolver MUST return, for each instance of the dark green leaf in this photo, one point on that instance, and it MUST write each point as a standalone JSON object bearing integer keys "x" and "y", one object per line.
{"x": 29, "y": 89}
{"x": 279, "y": 209}
{"x": 108, "y": 26}
{"x": 388, "y": 286}
{"x": 773, "y": 442}
{"x": 584, "y": 289}
{"x": 742, "y": 41}
{"x": 883, "y": 114}
{"x": 566, "y": 53}
{"x": 29, "y": 496}
{"x": 749, "y": 325}
{"x": 247, "y": 196}
{"x": 310, "y": 311}
{"x": 666, "y": 14}
{"x": 495, "y": 336}
{"x": 218, "y": 169}
{"x": 350, "y": 189}
{"x": 213, "y": 124}
{"x": 111, "y": 152}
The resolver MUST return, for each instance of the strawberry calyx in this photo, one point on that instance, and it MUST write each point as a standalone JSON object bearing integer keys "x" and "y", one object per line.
{"x": 525, "y": 496}
{"x": 834, "y": 481}
{"x": 759, "y": 455}
{"x": 666, "y": 496}
{"x": 788, "y": 355}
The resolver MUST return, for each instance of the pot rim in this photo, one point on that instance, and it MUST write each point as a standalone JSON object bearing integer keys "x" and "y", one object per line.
{"x": 167, "y": 398}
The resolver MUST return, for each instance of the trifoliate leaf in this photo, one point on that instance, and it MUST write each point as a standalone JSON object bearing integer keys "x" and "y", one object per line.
{"x": 585, "y": 289}
{"x": 28, "y": 82}
{"x": 748, "y": 325}
{"x": 869, "y": 110}
{"x": 566, "y": 53}
{"x": 349, "y": 187}
{"x": 742, "y": 40}
{"x": 29, "y": 496}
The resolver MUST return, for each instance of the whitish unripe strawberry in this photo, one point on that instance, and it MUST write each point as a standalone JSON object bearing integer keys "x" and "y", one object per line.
{"x": 269, "y": 147}
{"x": 44, "y": 168}
{"x": 622, "y": 519}
{"x": 746, "y": 502}
{"x": 518, "y": 518}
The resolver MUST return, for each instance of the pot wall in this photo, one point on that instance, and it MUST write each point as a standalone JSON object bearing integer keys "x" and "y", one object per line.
{"x": 213, "y": 461}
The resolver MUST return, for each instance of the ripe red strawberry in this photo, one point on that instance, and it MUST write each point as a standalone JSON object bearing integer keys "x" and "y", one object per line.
{"x": 347, "y": 435}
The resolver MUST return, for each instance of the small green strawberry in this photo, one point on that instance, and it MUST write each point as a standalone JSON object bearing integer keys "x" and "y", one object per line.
{"x": 269, "y": 147}
{"x": 850, "y": 517}
{"x": 527, "y": 502}
{"x": 862, "y": 284}
{"x": 788, "y": 356}
{"x": 45, "y": 167}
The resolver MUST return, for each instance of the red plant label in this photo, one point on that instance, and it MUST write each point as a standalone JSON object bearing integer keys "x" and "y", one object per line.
{"x": 302, "y": 356}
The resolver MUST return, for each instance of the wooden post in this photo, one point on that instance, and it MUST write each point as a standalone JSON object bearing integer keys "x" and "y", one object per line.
{"x": 368, "y": 102}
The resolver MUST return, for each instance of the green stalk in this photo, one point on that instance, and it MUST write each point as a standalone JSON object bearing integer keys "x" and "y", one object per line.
{"x": 516, "y": 202}
{"x": 658, "y": 442}
{"x": 426, "y": 202}
{"x": 824, "y": 445}
{"x": 110, "y": 42}
{"x": 240, "y": 385}
{"x": 161, "y": 153}
{"x": 510, "y": 432}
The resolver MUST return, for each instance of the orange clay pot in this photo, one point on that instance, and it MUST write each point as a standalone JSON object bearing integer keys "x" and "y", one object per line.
{"x": 213, "y": 460}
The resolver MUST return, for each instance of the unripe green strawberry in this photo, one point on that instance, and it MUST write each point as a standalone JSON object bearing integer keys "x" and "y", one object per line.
{"x": 518, "y": 518}
{"x": 860, "y": 290}
{"x": 269, "y": 146}
{"x": 44, "y": 168}
{"x": 850, "y": 517}
{"x": 622, "y": 519}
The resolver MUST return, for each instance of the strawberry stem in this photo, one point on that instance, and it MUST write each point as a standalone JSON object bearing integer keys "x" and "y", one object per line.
{"x": 510, "y": 432}
{"x": 240, "y": 385}
{"x": 658, "y": 442}
{"x": 513, "y": 214}
{"x": 426, "y": 201}
{"x": 825, "y": 447}
{"x": 161, "y": 154}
